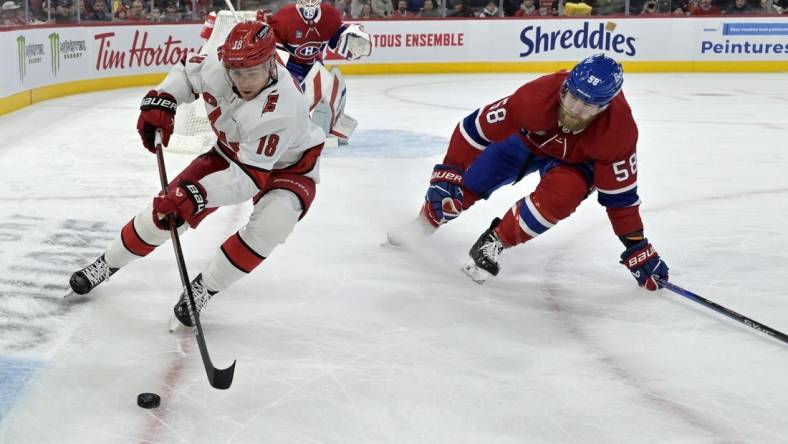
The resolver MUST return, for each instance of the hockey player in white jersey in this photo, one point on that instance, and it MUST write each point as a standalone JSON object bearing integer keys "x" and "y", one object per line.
{"x": 267, "y": 151}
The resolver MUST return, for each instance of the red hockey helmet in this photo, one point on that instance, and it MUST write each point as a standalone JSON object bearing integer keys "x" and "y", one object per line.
{"x": 250, "y": 43}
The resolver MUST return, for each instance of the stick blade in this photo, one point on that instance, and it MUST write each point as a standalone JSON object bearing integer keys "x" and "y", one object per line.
{"x": 222, "y": 379}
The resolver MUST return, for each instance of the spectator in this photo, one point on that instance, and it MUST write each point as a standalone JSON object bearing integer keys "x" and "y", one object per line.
{"x": 99, "y": 11}
{"x": 769, "y": 7}
{"x": 428, "y": 10}
{"x": 64, "y": 12}
{"x": 355, "y": 8}
{"x": 650, "y": 7}
{"x": 707, "y": 8}
{"x": 682, "y": 7}
{"x": 11, "y": 15}
{"x": 402, "y": 13}
{"x": 136, "y": 12}
{"x": 460, "y": 10}
{"x": 546, "y": 8}
{"x": 739, "y": 7}
{"x": 366, "y": 12}
{"x": 527, "y": 8}
{"x": 341, "y": 7}
{"x": 609, "y": 7}
{"x": 382, "y": 8}
{"x": 171, "y": 13}
{"x": 156, "y": 15}
{"x": 490, "y": 10}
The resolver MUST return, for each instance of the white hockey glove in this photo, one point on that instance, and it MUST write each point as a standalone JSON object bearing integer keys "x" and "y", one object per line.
{"x": 354, "y": 43}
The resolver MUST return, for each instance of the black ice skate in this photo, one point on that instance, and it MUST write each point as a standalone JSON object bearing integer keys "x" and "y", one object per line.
{"x": 86, "y": 279}
{"x": 181, "y": 310}
{"x": 484, "y": 255}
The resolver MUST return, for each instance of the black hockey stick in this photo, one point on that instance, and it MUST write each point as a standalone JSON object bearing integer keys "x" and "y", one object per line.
{"x": 723, "y": 310}
{"x": 218, "y": 378}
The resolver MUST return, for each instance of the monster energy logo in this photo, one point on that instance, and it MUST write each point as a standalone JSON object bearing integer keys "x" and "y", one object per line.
{"x": 54, "y": 52}
{"x": 20, "y": 50}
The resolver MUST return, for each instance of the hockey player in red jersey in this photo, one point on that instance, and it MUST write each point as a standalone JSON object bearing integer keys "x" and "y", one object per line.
{"x": 576, "y": 129}
{"x": 305, "y": 28}
{"x": 266, "y": 152}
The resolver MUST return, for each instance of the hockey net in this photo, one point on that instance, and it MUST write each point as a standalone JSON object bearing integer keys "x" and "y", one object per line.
{"x": 193, "y": 133}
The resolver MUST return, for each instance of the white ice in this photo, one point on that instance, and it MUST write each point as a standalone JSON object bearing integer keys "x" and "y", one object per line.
{"x": 339, "y": 340}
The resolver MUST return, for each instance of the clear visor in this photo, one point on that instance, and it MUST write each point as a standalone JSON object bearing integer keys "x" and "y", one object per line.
{"x": 252, "y": 74}
{"x": 577, "y": 108}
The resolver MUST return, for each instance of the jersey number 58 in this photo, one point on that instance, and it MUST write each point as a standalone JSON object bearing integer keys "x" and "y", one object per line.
{"x": 625, "y": 168}
{"x": 496, "y": 113}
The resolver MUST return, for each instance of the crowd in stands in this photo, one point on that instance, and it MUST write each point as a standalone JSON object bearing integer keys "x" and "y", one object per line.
{"x": 19, "y": 13}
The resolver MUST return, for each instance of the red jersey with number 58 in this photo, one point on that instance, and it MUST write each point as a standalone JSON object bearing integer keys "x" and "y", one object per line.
{"x": 608, "y": 143}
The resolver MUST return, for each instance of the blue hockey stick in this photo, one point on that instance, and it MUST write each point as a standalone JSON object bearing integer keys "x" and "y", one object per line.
{"x": 723, "y": 310}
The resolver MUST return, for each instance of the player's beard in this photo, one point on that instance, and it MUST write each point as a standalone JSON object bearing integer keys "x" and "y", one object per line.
{"x": 571, "y": 123}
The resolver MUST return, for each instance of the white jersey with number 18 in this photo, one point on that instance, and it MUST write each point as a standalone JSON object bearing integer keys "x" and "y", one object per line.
{"x": 271, "y": 132}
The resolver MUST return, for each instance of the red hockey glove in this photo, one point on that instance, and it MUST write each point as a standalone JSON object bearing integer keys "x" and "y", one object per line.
{"x": 184, "y": 201}
{"x": 644, "y": 263}
{"x": 158, "y": 112}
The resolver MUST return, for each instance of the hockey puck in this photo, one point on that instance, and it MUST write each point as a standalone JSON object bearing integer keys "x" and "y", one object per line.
{"x": 148, "y": 400}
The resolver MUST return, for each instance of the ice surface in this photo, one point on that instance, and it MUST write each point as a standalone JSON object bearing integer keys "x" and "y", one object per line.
{"x": 341, "y": 341}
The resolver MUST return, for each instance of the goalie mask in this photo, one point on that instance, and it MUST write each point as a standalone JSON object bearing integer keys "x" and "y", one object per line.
{"x": 309, "y": 9}
{"x": 249, "y": 57}
{"x": 591, "y": 86}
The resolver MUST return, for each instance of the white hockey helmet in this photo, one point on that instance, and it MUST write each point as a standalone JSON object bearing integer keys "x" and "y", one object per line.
{"x": 309, "y": 9}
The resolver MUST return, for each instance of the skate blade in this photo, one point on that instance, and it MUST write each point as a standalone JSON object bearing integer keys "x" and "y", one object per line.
{"x": 174, "y": 324}
{"x": 476, "y": 274}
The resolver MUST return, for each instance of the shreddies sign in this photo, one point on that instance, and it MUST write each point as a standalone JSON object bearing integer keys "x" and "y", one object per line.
{"x": 597, "y": 36}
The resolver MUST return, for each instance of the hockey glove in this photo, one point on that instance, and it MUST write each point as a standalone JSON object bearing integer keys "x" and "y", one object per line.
{"x": 183, "y": 201}
{"x": 158, "y": 112}
{"x": 354, "y": 43}
{"x": 644, "y": 263}
{"x": 445, "y": 196}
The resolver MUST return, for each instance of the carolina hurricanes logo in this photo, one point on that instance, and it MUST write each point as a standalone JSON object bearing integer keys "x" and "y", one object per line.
{"x": 308, "y": 50}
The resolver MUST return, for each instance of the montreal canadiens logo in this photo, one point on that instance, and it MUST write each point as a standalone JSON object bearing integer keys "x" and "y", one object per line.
{"x": 308, "y": 50}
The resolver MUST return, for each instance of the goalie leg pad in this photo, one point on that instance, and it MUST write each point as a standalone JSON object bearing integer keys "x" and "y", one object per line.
{"x": 322, "y": 116}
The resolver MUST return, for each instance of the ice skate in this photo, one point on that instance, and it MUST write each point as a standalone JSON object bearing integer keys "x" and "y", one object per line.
{"x": 180, "y": 313}
{"x": 86, "y": 279}
{"x": 484, "y": 255}
{"x": 409, "y": 233}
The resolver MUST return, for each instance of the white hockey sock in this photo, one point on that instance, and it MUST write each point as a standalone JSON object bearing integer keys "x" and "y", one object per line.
{"x": 220, "y": 273}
